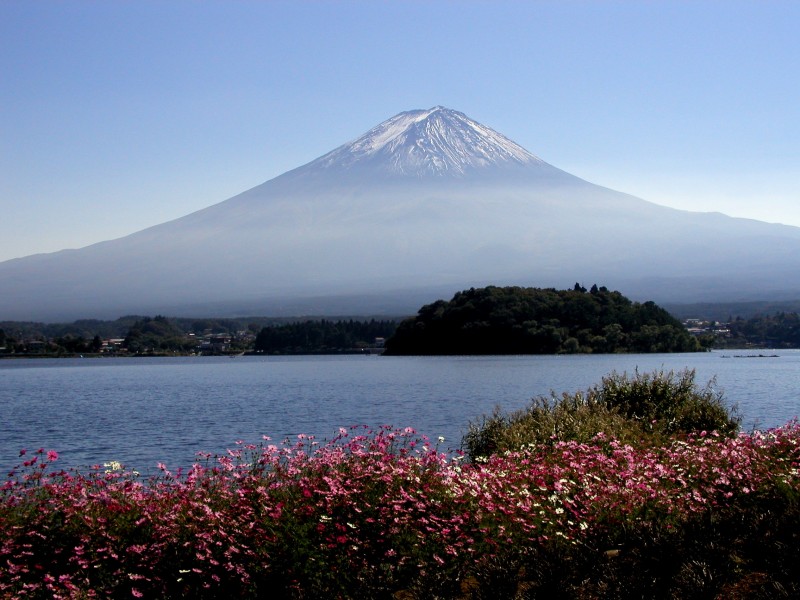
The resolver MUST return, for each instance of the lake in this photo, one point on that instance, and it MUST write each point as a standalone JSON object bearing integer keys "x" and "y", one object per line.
{"x": 141, "y": 411}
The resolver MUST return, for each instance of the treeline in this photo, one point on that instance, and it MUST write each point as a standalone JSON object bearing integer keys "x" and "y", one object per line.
{"x": 126, "y": 335}
{"x": 162, "y": 335}
{"x": 322, "y": 336}
{"x": 119, "y": 328}
{"x": 141, "y": 334}
{"x": 158, "y": 334}
{"x": 781, "y": 330}
{"x": 727, "y": 311}
{"x": 516, "y": 320}
{"x": 66, "y": 344}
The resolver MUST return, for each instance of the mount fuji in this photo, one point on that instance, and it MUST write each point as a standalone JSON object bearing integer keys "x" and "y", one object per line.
{"x": 422, "y": 205}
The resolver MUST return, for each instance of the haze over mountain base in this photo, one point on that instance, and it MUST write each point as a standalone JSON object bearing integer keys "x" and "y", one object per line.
{"x": 423, "y": 205}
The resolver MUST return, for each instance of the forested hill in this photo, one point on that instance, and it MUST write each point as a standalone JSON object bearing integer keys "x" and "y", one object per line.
{"x": 516, "y": 320}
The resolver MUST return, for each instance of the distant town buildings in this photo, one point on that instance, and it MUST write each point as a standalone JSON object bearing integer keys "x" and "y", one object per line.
{"x": 699, "y": 327}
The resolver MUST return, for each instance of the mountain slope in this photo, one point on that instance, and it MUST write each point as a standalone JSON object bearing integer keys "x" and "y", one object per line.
{"x": 421, "y": 205}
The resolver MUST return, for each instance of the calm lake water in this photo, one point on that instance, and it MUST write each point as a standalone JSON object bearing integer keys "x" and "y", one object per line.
{"x": 142, "y": 411}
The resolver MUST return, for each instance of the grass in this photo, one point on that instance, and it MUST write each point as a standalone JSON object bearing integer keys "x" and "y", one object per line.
{"x": 646, "y": 408}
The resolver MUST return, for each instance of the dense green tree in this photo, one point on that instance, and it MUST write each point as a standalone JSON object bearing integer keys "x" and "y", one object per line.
{"x": 157, "y": 335}
{"x": 321, "y": 336}
{"x": 516, "y": 320}
{"x": 781, "y": 330}
{"x": 70, "y": 344}
{"x": 7, "y": 343}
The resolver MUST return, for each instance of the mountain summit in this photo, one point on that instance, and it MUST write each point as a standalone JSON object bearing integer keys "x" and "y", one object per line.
{"x": 424, "y": 204}
{"x": 437, "y": 141}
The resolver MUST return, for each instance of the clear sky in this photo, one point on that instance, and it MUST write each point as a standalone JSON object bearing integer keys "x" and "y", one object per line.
{"x": 115, "y": 116}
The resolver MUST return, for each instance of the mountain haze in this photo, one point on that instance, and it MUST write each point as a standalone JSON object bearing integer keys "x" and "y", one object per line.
{"x": 424, "y": 204}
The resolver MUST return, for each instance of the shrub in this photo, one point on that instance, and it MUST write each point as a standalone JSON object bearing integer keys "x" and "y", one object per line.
{"x": 649, "y": 406}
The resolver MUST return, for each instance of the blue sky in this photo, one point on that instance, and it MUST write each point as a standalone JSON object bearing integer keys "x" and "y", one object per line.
{"x": 115, "y": 116}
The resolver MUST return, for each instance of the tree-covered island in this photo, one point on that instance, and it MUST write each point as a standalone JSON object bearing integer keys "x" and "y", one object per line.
{"x": 518, "y": 320}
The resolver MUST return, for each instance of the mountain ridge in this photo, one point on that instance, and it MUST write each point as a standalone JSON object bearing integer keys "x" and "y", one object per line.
{"x": 412, "y": 204}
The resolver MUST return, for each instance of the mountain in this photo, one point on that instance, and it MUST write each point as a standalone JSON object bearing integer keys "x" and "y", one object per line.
{"x": 422, "y": 143}
{"x": 422, "y": 205}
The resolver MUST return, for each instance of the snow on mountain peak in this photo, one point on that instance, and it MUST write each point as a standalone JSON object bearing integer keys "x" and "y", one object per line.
{"x": 437, "y": 141}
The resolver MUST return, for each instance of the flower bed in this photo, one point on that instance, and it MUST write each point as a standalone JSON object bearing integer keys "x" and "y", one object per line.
{"x": 372, "y": 514}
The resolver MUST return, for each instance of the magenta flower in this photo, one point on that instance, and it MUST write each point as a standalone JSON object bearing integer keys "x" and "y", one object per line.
{"x": 384, "y": 503}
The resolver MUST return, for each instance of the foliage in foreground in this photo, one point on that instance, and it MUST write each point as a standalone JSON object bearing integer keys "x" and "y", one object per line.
{"x": 646, "y": 406}
{"x": 517, "y": 320}
{"x": 385, "y": 514}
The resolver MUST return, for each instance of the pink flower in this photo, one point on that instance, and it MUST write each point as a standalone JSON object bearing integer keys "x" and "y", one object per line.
{"x": 52, "y": 455}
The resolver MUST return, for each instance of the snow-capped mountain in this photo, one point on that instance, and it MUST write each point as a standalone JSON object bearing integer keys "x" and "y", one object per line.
{"x": 422, "y": 205}
{"x": 437, "y": 141}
